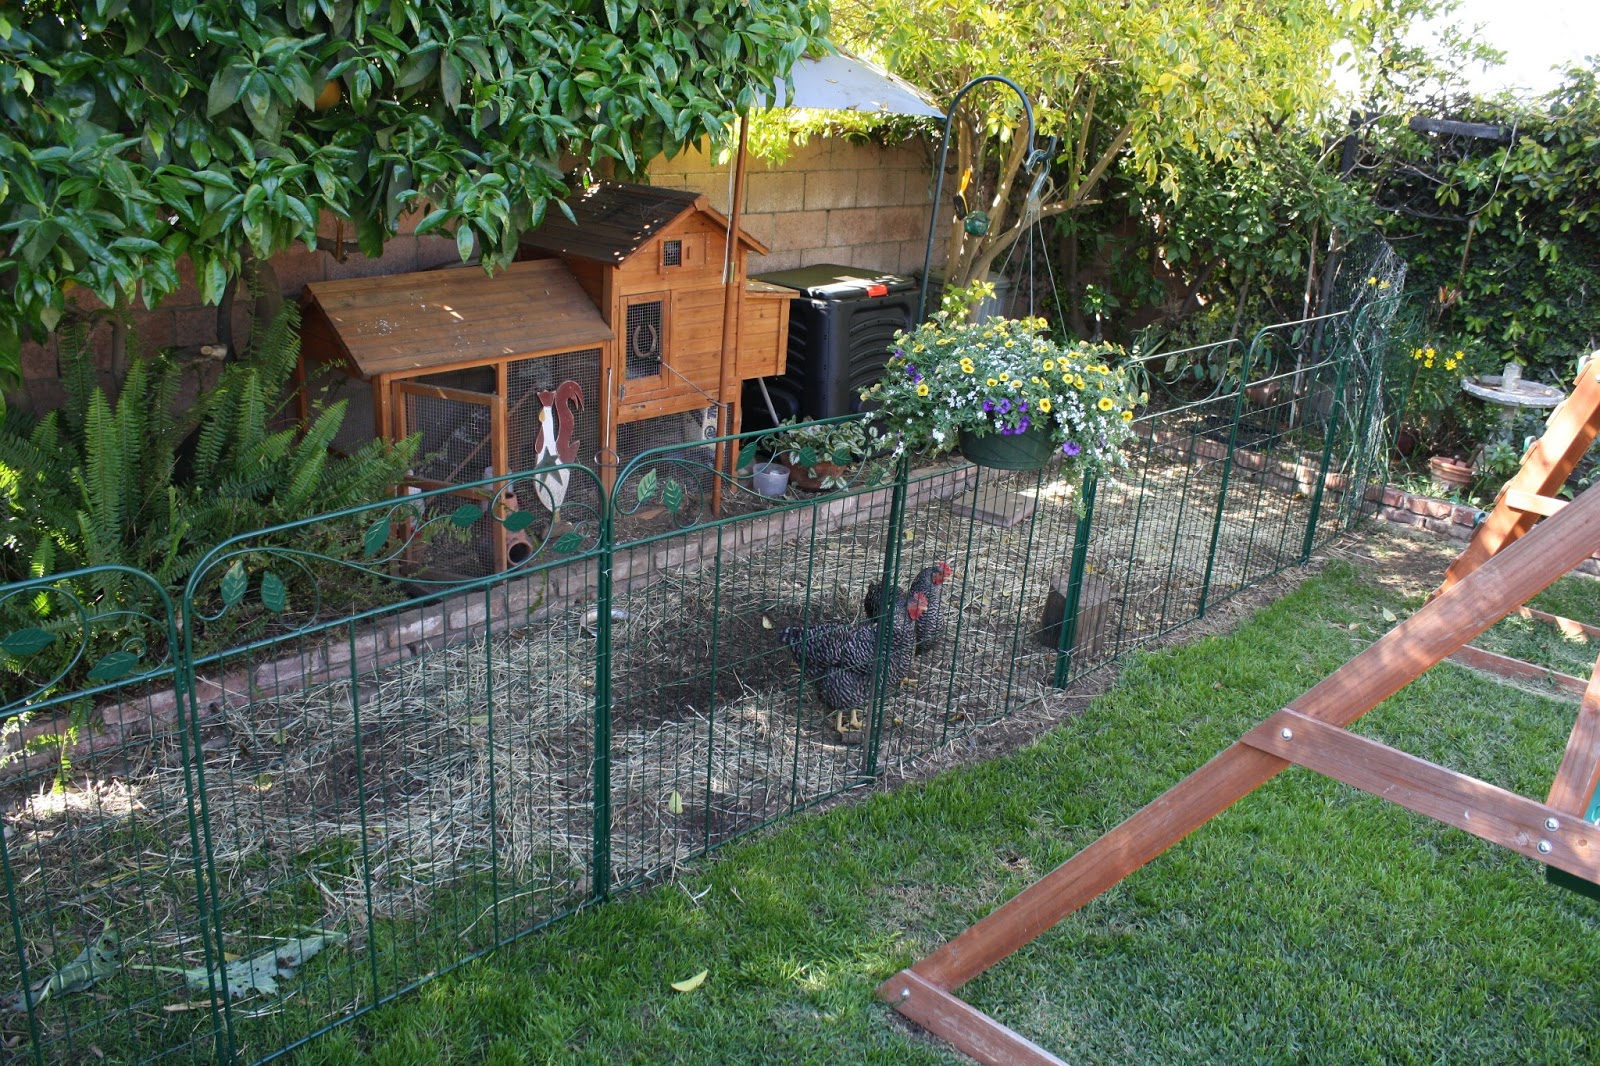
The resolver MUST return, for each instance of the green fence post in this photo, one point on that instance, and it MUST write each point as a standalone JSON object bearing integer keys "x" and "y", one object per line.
{"x": 1227, "y": 473}
{"x": 1330, "y": 430}
{"x": 35, "y": 1038}
{"x": 194, "y": 784}
{"x": 600, "y": 865}
{"x": 1068, "y": 636}
{"x": 887, "y": 611}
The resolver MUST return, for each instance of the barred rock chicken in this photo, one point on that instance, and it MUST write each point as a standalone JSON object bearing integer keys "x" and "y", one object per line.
{"x": 930, "y": 627}
{"x": 839, "y": 656}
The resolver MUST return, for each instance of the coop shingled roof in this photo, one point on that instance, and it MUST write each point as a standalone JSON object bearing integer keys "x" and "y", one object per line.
{"x": 615, "y": 220}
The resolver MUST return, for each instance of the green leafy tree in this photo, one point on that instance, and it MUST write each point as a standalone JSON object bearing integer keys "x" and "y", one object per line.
{"x": 134, "y": 133}
{"x": 1506, "y": 231}
{"x": 1132, "y": 90}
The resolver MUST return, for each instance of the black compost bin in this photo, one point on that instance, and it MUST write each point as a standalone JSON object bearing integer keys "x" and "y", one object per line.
{"x": 840, "y": 326}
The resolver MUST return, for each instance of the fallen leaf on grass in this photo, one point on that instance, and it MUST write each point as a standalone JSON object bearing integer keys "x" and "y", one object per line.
{"x": 691, "y": 983}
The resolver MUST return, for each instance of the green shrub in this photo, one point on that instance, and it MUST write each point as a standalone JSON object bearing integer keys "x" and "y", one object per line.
{"x": 132, "y": 481}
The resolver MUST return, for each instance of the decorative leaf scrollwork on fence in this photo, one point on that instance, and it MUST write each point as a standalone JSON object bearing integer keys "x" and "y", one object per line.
{"x": 288, "y": 578}
{"x": 58, "y": 637}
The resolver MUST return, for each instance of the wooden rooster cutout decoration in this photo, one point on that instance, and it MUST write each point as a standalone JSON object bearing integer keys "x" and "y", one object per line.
{"x": 555, "y": 443}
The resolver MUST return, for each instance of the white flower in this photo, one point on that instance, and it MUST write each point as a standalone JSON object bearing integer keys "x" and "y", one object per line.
{"x": 938, "y": 435}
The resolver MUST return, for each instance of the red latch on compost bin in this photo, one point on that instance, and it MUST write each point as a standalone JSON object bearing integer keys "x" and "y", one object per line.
{"x": 877, "y": 290}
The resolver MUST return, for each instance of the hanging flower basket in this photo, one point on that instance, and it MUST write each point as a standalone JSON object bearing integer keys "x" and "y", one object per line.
{"x": 1029, "y": 450}
{"x": 1007, "y": 393}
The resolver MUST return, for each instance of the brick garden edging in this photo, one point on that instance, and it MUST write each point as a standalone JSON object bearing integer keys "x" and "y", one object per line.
{"x": 1441, "y": 518}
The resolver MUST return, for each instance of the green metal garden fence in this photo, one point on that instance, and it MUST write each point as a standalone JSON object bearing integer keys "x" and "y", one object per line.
{"x": 331, "y": 768}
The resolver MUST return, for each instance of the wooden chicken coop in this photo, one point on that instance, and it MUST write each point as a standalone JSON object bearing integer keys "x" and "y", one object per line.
{"x": 652, "y": 261}
{"x": 603, "y": 341}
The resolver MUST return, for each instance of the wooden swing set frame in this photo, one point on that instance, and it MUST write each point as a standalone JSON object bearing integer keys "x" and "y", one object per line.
{"x": 1511, "y": 558}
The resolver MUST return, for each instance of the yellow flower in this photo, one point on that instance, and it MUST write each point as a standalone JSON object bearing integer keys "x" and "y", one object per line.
{"x": 922, "y": 390}
{"x": 1016, "y": 383}
{"x": 992, "y": 383}
{"x": 1049, "y": 364}
{"x": 1011, "y": 344}
{"x": 1127, "y": 416}
{"x": 1005, "y": 376}
{"x": 1044, "y": 405}
{"x": 1449, "y": 364}
{"x": 1460, "y": 354}
{"x": 1428, "y": 364}
{"x": 1417, "y": 354}
{"x": 1037, "y": 381}
{"x": 1428, "y": 353}
{"x": 1077, "y": 382}
{"x": 1383, "y": 284}
{"x": 1105, "y": 403}
{"x": 1372, "y": 280}
{"x": 864, "y": 396}
{"x": 966, "y": 366}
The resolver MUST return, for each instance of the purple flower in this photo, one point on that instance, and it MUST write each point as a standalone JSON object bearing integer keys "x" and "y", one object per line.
{"x": 1022, "y": 427}
{"x": 1005, "y": 407}
{"x": 1022, "y": 405}
{"x": 988, "y": 405}
{"x": 1071, "y": 448}
{"x": 912, "y": 372}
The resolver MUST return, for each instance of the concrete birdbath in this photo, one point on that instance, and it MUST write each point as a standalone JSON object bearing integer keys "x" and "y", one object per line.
{"x": 1508, "y": 391}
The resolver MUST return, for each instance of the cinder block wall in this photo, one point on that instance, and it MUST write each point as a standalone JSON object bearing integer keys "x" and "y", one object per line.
{"x": 862, "y": 205}
{"x": 832, "y": 201}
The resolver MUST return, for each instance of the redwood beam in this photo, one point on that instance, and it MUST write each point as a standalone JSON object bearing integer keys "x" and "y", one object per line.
{"x": 1522, "y": 825}
{"x": 1550, "y": 461}
{"x": 962, "y": 1025}
{"x": 1509, "y": 669}
{"x": 1572, "y": 791}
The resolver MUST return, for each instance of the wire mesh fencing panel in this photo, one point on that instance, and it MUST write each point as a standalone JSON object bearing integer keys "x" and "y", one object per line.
{"x": 99, "y": 846}
{"x": 346, "y": 772}
{"x": 714, "y": 728}
{"x": 1007, "y": 537}
{"x": 387, "y": 791}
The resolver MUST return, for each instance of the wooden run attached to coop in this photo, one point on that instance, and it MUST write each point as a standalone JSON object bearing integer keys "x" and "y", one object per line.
{"x": 603, "y": 341}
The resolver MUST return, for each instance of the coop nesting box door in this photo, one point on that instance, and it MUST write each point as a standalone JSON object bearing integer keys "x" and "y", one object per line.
{"x": 646, "y": 327}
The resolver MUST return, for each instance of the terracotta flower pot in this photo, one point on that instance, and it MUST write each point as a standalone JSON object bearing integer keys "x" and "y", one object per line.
{"x": 1449, "y": 473}
{"x": 1262, "y": 395}
{"x": 810, "y": 478}
{"x": 1405, "y": 441}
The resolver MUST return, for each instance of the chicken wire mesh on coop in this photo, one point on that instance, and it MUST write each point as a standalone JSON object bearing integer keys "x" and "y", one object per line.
{"x": 546, "y": 426}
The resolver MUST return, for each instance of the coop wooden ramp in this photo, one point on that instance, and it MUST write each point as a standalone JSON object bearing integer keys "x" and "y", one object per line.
{"x": 1310, "y": 732}
{"x": 1549, "y": 462}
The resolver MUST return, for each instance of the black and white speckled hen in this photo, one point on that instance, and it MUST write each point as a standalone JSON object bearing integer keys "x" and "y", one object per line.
{"x": 930, "y": 627}
{"x": 839, "y": 656}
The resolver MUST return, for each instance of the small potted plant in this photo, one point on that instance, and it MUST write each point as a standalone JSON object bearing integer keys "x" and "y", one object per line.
{"x": 1006, "y": 393}
{"x": 818, "y": 455}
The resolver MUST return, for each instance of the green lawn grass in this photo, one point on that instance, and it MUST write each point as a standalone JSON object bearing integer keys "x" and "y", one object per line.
{"x": 1309, "y": 923}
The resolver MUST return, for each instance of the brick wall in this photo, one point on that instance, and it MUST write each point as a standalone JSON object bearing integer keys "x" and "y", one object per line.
{"x": 833, "y": 201}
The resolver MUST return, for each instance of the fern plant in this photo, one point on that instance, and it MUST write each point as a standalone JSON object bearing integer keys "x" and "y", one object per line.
{"x": 136, "y": 481}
